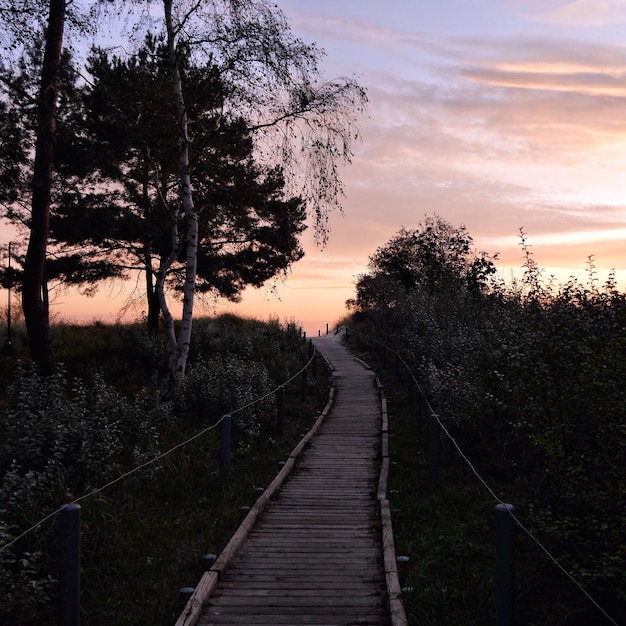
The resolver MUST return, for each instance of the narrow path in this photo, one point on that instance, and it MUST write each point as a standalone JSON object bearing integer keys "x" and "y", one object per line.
{"x": 314, "y": 556}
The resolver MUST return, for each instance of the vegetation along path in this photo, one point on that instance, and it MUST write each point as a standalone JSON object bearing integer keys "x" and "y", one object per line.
{"x": 315, "y": 554}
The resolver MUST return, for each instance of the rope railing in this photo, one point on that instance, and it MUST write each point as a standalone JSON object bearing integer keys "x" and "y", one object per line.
{"x": 434, "y": 415}
{"x": 157, "y": 458}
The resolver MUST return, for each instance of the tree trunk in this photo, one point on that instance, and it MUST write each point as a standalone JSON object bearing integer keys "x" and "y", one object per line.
{"x": 36, "y": 313}
{"x": 186, "y": 203}
{"x": 152, "y": 297}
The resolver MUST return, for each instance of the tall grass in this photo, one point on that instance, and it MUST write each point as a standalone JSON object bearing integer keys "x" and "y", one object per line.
{"x": 143, "y": 537}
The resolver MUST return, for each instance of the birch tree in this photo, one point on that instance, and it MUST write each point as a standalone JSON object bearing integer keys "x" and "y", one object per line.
{"x": 274, "y": 85}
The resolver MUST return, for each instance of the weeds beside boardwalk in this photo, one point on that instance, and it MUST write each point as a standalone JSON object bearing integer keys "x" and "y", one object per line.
{"x": 144, "y": 538}
{"x": 448, "y": 531}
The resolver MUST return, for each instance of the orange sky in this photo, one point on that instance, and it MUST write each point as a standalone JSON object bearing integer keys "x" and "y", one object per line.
{"x": 495, "y": 114}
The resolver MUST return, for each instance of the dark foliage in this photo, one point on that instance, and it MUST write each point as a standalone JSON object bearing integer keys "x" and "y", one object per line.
{"x": 529, "y": 379}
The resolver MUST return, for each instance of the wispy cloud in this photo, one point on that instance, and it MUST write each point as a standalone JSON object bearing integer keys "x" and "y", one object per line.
{"x": 585, "y": 13}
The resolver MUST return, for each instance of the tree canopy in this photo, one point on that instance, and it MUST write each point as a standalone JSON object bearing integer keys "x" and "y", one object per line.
{"x": 436, "y": 256}
{"x": 195, "y": 159}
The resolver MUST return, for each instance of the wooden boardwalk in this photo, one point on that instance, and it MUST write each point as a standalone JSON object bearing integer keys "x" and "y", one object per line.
{"x": 314, "y": 555}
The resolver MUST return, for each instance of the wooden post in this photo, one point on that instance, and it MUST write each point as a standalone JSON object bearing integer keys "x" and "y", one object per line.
{"x": 69, "y": 565}
{"x": 314, "y": 367}
{"x": 303, "y": 385}
{"x": 505, "y": 565}
{"x": 280, "y": 409}
{"x": 225, "y": 432}
{"x": 434, "y": 450}
{"x": 417, "y": 408}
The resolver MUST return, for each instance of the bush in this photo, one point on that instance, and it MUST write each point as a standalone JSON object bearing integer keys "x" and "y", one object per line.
{"x": 58, "y": 443}
{"x": 223, "y": 384}
{"x": 529, "y": 380}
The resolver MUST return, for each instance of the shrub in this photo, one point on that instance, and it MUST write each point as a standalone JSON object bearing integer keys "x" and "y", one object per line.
{"x": 529, "y": 379}
{"x": 224, "y": 384}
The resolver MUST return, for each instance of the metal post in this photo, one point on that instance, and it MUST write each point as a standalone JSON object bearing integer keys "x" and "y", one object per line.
{"x": 418, "y": 408}
{"x": 434, "y": 450}
{"x": 280, "y": 409}
{"x": 69, "y": 565}
{"x": 505, "y": 565}
{"x": 225, "y": 431}
{"x": 303, "y": 385}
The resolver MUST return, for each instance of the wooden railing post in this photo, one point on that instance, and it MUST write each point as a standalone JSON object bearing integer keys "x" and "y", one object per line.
{"x": 505, "y": 565}
{"x": 280, "y": 410}
{"x": 417, "y": 407}
{"x": 434, "y": 450}
{"x": 303, "y": 385}
{"x": 69, "y": 565}
{"x": 225, "y": 436}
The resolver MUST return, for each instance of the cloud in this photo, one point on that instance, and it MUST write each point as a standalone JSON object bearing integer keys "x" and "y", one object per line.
{"x": 595, "y": 83}
{"x": 492, "y": 132}
{"x": 586, "y": 13}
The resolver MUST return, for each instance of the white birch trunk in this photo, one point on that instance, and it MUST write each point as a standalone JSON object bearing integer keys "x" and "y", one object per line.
{"x": 181, "y": 352}
{"x": 159, "y": 287}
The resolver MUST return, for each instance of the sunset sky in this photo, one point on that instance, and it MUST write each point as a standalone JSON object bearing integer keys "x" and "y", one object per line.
{"x": 495, "y": 114}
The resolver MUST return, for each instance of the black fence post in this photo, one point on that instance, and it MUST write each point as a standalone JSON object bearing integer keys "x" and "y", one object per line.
{"x": 69, "y": 565}
{"x": 225, "y": 434}
{"x": 505, "y": 564}
{"x": 303, "y": 385}
{"x": 418, "y": 407}
{"x": 280, "y": 410}
{"x": 434, "y": 450}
